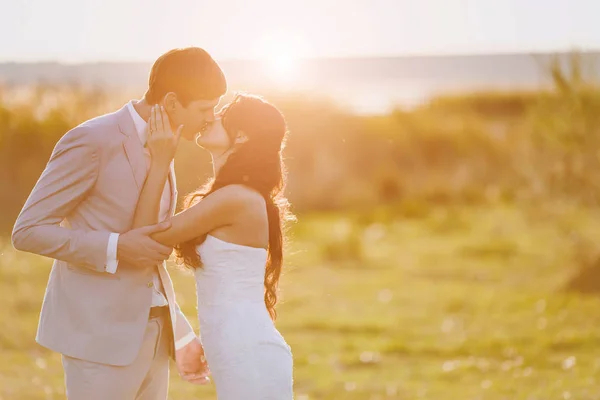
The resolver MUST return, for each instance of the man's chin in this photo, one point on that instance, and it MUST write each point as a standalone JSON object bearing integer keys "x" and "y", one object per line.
{"x": 190, "y": 137}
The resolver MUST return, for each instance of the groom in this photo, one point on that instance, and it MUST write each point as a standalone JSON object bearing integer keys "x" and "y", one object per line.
{"x": 109, "y": 306}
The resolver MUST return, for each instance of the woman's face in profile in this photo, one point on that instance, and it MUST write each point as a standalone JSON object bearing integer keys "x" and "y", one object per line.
{"x": 214, "y": 138}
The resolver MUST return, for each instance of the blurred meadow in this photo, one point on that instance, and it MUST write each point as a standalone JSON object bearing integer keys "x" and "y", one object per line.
{"x": 446, "y": 251}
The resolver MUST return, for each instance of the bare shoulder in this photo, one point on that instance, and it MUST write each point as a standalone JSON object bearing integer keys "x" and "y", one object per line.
{"x": 240, "y": 197}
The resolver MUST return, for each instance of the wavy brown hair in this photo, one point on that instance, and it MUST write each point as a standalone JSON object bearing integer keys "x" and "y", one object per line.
{"x": 257, "y": 164}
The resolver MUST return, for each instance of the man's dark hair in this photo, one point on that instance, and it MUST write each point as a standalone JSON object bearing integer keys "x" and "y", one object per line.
{"x": 191, "y": 73}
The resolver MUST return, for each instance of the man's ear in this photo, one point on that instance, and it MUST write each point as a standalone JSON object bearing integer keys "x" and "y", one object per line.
{"x": 241, "y": 138}
{"x": 170, "y": 101}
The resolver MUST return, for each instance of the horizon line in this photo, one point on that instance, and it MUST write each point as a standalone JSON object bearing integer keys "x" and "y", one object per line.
{"x": 322, "y": 58}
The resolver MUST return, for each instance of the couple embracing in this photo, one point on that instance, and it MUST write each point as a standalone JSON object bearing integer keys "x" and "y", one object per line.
{"x": 103, "y": 208}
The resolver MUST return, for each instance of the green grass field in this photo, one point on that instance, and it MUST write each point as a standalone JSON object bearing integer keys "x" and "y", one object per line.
{"x": 425, "y": 303}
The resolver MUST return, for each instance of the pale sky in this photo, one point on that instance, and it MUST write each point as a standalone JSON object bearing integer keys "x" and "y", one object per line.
{"x": 140, "y": 30}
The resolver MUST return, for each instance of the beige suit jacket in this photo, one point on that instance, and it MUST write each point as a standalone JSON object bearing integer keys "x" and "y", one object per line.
{"x": 90, "y": 188}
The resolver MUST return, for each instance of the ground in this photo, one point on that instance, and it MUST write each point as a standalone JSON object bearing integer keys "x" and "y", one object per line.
{"x": 415, "y": 303}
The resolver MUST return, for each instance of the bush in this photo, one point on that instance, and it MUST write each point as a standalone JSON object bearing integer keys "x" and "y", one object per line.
{"x": 470, "y": 148}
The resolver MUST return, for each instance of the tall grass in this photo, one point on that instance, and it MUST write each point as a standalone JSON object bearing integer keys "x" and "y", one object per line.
{"x": 474, "y": 148}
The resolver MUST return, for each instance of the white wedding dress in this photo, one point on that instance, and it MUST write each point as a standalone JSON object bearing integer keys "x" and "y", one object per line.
{"x": 247, "y": 356}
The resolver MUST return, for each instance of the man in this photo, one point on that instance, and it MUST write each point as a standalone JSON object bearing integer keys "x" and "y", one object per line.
{"x": 109, "y": 306}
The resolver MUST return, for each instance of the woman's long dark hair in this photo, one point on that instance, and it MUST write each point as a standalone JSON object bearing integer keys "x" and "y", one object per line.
{"x": 257, "y": 164}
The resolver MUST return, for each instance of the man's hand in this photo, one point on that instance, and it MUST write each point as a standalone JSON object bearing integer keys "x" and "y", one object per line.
{"x": 191, "y": 363}
{"x": 136, "y": 247}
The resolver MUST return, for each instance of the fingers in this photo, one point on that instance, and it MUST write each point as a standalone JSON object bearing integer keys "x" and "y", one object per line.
{"x": 149, "y": 129}
{"x": 152, "y": 121}
{"x": 197, "y": 381}
{"x": 198, "y": 377}
{"x": 159, "y": 119}
{"x": 158, "y": 249}
{"x": 197, "y": 374}
{"x": 163, "y": 251}
{"x": 150, "y": 229}
{"x": 155, "y": 249}
{"x": 155, "y": 258}
{"x": 165, "y": 119}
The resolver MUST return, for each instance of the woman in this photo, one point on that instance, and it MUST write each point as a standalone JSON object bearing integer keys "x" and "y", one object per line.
{"x": 231, "y": 234}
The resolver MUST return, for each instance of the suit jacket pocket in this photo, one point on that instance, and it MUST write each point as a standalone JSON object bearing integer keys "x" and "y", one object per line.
{"x": 86, "y": 271}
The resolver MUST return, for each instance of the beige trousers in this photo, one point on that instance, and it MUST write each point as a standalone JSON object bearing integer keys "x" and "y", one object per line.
{"x": 147, "y": 378}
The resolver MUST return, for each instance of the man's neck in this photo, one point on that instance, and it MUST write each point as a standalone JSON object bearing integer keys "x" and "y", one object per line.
{"x": 142, "y": 108}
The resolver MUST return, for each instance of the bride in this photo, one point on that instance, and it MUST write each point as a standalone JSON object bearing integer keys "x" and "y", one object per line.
{"x": 230, "y": 233}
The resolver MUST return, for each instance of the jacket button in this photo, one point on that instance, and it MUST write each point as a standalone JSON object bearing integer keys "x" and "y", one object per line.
{"x": 150, "y": 284}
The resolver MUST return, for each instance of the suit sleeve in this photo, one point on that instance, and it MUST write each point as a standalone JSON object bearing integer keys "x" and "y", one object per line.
{"x": 66, "y": 181}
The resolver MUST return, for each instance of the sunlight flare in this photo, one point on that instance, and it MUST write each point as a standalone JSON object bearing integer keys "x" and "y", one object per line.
{"x": 282, "y": 53}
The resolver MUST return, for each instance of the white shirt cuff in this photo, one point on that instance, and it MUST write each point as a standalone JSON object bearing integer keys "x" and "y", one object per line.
{"x": 111, "y": 253}
{"x": 184, "y": 341}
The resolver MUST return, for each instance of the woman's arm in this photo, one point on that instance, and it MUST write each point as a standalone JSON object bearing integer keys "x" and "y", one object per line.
{"x": 148, "y": 206}
{"x": 216, "y": 210}
{"x": 162, "y": 143}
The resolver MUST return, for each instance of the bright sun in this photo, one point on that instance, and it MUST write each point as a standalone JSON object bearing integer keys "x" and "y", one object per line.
{"x": 283, "y": 66}
{"x": 281, "y": 53}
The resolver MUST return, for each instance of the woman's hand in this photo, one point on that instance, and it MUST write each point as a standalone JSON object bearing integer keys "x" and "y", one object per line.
{"x": 162, "y": 142}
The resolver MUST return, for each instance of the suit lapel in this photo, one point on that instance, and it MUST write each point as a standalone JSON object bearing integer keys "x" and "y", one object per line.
{"x": 137, "y": 162}
{"x": 133, "y": 147}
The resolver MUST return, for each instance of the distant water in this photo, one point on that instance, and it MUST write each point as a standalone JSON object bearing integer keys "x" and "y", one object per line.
{"x": 370, "y": 85}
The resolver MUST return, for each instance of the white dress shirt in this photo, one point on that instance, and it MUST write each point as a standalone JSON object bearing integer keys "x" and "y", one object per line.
{"x": 158, "y": 297}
